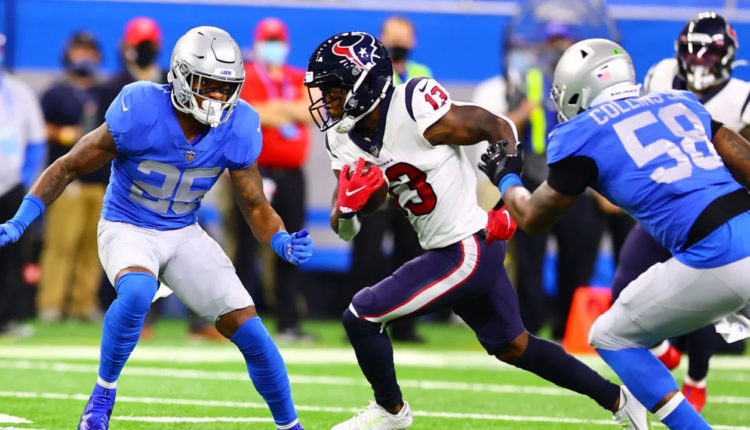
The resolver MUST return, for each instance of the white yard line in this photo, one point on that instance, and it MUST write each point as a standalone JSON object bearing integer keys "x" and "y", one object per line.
{"x": 10, "y": 419}
{"x": 308, "y": 356}
{"x": 211, "y": 375}
{"x": 305, "y": 408}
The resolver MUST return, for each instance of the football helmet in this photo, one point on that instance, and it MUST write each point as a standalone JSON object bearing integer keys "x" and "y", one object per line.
{"x": 589, "y": 72}
{"x": 705, "y": 51}
{"x": 359, "y": 65}
{"x": 202, "y": 57}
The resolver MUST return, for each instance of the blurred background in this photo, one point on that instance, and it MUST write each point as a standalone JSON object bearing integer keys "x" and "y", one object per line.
{"x": 461, "y": 43}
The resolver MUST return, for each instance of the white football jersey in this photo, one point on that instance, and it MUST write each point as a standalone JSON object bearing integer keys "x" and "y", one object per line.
{"x": 730, "y": 105}
{"x": 434, "y": 185}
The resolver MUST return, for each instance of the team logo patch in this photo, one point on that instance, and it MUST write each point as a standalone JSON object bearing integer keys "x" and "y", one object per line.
{"x": 359, "y": 53}
{"x": 189, "y": 155}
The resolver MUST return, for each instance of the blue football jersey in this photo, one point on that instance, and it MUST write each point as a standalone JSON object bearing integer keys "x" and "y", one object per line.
{"x": 655, "y": 160}
{"x": 159, "y": 178}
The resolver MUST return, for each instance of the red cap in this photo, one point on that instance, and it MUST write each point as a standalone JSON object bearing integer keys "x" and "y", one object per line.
{"x": 271, "y": 28}
{"x": 142, "y": 29}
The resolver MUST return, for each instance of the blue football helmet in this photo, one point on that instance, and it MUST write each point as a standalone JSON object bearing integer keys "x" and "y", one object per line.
{"x": 359, "y": 66}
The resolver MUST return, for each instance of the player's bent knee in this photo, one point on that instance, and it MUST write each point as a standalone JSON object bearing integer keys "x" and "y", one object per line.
{"x": 228, "y": 323}
{"x": 136, "y": 290}
{"x": 600, "y": 334}
{"x": 513, "y": 351}
{"x": 354, "y": 324}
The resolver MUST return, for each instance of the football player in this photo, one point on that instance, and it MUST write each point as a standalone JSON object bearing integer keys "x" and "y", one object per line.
{"x": 653, "y": 157}
{"x": 705, "y": 52}
{"x": 168, "y": 144}
{"x": 413, "y": 135}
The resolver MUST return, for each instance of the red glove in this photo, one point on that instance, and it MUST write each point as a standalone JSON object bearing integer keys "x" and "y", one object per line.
{"x": 355, "y": 191}
{"x": 500, "y": 225}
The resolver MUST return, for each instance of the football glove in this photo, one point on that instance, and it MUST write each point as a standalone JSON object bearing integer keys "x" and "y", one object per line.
{"x": 295, "y": 248}
{"x": 496, "y": 163}
{"x": 355, "y": 191}
{"x": 500, "y": 225}
{"x": 10, "y": 232}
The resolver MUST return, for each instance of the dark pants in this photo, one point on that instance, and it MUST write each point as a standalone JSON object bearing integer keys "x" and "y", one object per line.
{"x": 289, "y": 203}
{"x": 639, "y": 252}
{"x": 578, "y": 234}
{"x": 467, "y": 277}
{"x": 11, "y": 263}
{"x": 370, "y": 264}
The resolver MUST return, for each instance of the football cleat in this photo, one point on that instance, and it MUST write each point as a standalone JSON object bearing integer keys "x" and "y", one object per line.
{"x": 98, "y": 409}
{"x": 671, "y": 358}
{"x": 632, "y": 414}
{"x": 695, "y": 395}
{"x": 375, "y": 417}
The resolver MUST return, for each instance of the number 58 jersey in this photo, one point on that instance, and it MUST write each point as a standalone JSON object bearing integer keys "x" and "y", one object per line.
{"x": 159, "y": 178}
{"x": 434, "y": 185}
{"x": 654, "y": 158}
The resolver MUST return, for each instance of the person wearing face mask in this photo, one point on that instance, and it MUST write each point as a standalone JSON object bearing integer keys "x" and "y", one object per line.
{"x": 22, "y": 152}
{"x": 275, "y": 90}
{"x": 71, "y": 272}
{"x": 399, "y": 38}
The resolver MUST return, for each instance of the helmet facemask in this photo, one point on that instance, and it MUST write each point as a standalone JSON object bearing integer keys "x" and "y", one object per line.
{"x": 188, "y": 94}
{"x": 705, "y": 64}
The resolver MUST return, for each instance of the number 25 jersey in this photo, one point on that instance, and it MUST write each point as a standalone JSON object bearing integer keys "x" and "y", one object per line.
{"x": 159, "y": 178}
{"x": 434, "y": 185}
{"x": 654, "y": 159}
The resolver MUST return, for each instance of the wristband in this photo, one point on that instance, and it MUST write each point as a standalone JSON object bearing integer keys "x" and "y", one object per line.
{"x": 30, "y": 209}
{"x": 509, "y": 180}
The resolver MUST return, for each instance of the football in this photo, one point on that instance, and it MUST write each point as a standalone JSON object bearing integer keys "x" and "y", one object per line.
{"x": 377, "y": 198}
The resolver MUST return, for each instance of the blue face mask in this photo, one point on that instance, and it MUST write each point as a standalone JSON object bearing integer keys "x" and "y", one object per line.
{"x": 273, "y": 53}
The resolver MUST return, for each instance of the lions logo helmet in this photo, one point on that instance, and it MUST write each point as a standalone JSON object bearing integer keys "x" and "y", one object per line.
{"x": 358, "y": 64}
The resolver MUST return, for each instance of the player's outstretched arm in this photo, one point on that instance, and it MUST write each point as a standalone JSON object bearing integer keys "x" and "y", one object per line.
{"x": 538, "y": 211}
{"x": 92, "y": 152}
{"x": 735, "y": 151}
{"x": 470, "y": 124}
{"x": 263, "y": 220}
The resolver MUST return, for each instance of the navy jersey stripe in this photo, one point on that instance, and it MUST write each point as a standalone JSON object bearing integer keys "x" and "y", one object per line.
{"x": 410, "y": 93}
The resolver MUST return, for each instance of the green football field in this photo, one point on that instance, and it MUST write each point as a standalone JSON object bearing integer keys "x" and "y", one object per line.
{"x": 172, "y": 382}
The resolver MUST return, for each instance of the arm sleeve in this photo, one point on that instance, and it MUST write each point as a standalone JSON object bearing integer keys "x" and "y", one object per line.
{"x": 426, "y": 101}
{"x": 571, "y": 176}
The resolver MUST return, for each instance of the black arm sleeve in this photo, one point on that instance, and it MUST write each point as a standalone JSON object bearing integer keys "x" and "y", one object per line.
{"x": 715, "y": 126}
{"x": 572, "y": 175}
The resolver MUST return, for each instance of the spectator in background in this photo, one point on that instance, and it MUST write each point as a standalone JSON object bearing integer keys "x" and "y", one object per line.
{"x": 22, "y": 152}
{"x": 370, "y": 263}
{"x": 399, "y": 37}
{"x": 69, "y": 262}
{"x": 275, "y": 90}
{"x": 524, "y": 93}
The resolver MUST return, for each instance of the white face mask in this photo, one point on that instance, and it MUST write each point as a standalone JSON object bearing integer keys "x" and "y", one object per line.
{"x": 273, "y": 52}
{"x": 700, "y": 77}
{"x": 210, "y": 112}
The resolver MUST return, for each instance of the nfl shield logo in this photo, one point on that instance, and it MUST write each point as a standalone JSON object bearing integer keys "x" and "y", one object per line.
{"x": 190, "y": 156}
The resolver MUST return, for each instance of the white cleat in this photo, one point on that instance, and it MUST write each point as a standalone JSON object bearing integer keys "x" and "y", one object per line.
{"x": 632, "y": 414}
{"x": 375, "y": 417}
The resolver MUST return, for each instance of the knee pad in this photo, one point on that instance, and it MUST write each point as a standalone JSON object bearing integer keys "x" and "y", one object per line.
{"x": 135, "y": 290}
{"x": 353, "y": 324}
{"x": 363, "y": 300}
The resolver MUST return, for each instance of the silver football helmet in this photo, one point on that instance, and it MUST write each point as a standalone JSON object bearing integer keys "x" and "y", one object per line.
{"x": 589, "y": 72}
{"x": 201, "y": 57}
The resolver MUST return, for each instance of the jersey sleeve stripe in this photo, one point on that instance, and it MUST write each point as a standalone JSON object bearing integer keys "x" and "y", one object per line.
{"x": 410, "y": 93}
{"x": 328, "y": 147}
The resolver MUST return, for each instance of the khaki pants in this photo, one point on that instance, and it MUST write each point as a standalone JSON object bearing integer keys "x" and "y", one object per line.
{"x": 70, "y": 264}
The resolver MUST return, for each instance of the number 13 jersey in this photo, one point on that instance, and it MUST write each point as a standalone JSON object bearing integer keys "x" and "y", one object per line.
{"x": 434, "y": 185}
{"x": 159, "y": 178}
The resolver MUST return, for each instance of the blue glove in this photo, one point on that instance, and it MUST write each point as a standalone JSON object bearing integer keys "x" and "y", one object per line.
{"x": 295, "y": 248}
{"x": 31, "y": 207}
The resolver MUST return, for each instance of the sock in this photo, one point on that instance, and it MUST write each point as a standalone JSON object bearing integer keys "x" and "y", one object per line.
{"x": 700, "y": 346}
{"x": 123, "y": 322}
{"x": 266, "y": 369}
{"x": 678, "y": 414}
{"x": 375, "y": 356}
{"x": 550, "y": 361}
{"x": 642, "y": 373}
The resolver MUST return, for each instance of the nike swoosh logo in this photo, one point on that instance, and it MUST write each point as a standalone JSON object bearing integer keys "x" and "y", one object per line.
{"x": 507, "y": 217}
{"x": 353, "y": 192}
{"x": 124, "y": 108}
{"x": 421, "y": 90}
{"x": 258, "y": 129}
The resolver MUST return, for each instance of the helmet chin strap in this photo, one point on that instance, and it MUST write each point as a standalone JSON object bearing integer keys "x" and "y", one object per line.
{"x": 347, "y": 122}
